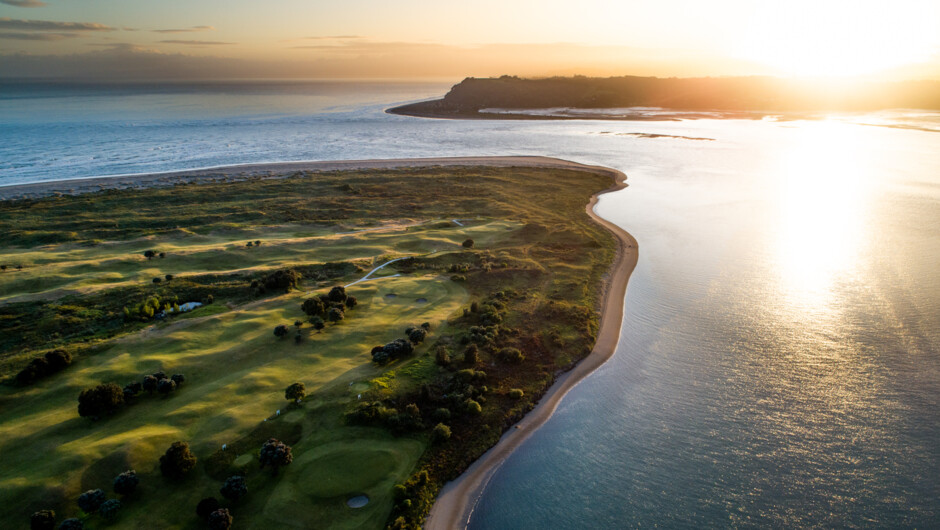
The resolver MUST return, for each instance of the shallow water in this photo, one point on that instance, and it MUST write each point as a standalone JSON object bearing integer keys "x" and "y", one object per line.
{"x": 780, "y": 357}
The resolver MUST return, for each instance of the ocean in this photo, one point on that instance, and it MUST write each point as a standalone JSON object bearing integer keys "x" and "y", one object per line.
{"x": 779, "y": 363}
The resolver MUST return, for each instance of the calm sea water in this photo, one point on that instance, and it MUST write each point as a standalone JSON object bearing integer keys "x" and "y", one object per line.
{"x": 780, "y": 357}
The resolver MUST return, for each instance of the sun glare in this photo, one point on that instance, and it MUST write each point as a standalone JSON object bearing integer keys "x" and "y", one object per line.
{"x": 839, "y": 38}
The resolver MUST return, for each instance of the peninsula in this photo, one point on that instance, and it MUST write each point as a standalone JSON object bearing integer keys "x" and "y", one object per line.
{"x": 324, "y": 341}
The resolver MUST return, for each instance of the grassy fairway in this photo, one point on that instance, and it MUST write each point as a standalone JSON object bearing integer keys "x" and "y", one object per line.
{"x": 527, "y": 283}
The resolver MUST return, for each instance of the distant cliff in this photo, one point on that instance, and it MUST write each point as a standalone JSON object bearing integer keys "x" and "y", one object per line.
{"x": 730, "y": 94}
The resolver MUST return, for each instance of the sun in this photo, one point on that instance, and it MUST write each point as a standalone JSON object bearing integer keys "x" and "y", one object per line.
{"x": 838, "y": 38}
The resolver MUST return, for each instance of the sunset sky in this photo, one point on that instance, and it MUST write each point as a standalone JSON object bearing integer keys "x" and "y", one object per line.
{"x": 428, "y": 39}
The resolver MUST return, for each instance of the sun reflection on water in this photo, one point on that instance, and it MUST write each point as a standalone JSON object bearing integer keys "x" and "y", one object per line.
{"x": 824, "y": 192}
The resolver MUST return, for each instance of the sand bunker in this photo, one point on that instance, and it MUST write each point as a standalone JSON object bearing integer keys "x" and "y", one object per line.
{"x": 358, "y": 501}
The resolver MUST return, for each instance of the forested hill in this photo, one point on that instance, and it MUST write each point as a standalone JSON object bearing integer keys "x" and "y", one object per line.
{"x": 692, "y": 94}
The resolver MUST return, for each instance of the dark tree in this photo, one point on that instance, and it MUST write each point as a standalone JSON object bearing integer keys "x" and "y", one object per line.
{"x": 42, "y": 520}
{"x": 177, "y": 461}
{"x": 426, "y": 326}
{"x": 91, "y": 500}
{"x": 162, "y": 255}
{"x": 207, "y": 506}
{"x": 100, "y": 400}
{"x": 295, "y": 392}
{"x": 220, "y": 519}
{"x": 417, "y": 336}
{"x": 275, "y": 453}
{"x": 149, "y": 254}
{"x": 337, "y": 294}
{"x": 249, "y": 244}
{"x": 471, "y": 355}
{"x": 150, "y": 383}
{"x": 36, "y": 369}
{"x": 159, "y": 375}
{"x": 209, "y": 299}
{"x": 335, "y": 314}
{"x": 126, "y": 482}
{"x": 281, "y": 331}
{"x": 131, "y": 391}
{"x": 442, "y": 358}
{"x": 179, "y": 379}
{"x": 317, "y": 323}
{"x": 285, "y": 279}
{"x": 157, "y": 280}
{"x": 72, "y": 524}
{"x": 168, "y": 277}
{"x": 313, "y": 307}
{"x": 511, "y": 355}
{"x": 258, "y": 243}
{"x": 298, "y": 324}
{"x": 298, "y": 338}
{"x": 234, "y": 488}
{"x": 351, "y": 302}
{"x": 165, "y": 386}
{"x": 58, "y": 360}
{"x": 468, "y": 243}
{"x": 109, "y": 510}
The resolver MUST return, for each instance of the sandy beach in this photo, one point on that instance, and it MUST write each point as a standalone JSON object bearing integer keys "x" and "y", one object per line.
{"x": 457, "y": 499}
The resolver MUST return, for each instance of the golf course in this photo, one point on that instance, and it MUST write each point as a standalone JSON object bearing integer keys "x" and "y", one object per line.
{"x": 494, "y": 280}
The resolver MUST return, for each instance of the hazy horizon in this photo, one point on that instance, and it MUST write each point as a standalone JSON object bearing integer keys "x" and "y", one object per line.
{"x": 418, "y": 39}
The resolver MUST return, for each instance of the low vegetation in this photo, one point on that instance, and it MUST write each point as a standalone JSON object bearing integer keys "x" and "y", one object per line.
{"x": 192, "y": 415}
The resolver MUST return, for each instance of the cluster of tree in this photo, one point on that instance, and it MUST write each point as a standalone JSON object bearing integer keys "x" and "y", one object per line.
{"x": 253, "y": 244}
{"x": 470, "y": 357}
{"x": 150, "y": 254}
{"x": 412, "y": 498}
{"x": 376, "y": 413}
{"x": 153, "y": 305}
{"x": 279, "y": 280}
{"x": 107, "y": 398}
{"x": 511, "y": 355}
{"x": 331, "y": 306}
{"x": 91, "y": 502}
{"x": 399, "y": 348}
{"x": 39, "y": 367}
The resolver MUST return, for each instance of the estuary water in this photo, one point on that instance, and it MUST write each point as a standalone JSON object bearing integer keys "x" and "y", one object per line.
{"x": 779, "y": 363}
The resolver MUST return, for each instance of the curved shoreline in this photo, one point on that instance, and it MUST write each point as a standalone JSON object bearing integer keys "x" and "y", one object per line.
{"x": 265, "y": 169}
{"x": 457, "y": 499}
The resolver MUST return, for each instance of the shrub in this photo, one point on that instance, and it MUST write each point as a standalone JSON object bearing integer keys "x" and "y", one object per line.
{"x": 109, "y": 510}
{"x": 209, "y": 299}
{"x": 511, "y": 355}
{"x": 220, "y": 519}
{"x": 36, "y": 369}
{"x": 473, "y": 407}
{"x": 442, "y": 358}
{"x": 58, "y": 360}
{"x": 72, "y": 524}
{"x": 157, "y": 280}
{"x": 177, "y": 461}
{"x": 149, "y": 254}
{"x": 516, "y": 393}
{"x": 207, "y": 506}
{"x": 440, "y": 433}
{"x": 100, "y": 400}
{"x": 258, "y": 243}
{"x": 285, "y": 279}
{"x": 468, "y": 243}
{"x": 458, "y": 278}
{"x": 179, "y": 379}
{"x": 295, "y": 392}
{"x": 281, "y": 331}
{"x": 471, "y": 355}
{"x": 126, "y": 482}
{"x": 234, "y": 488}
{"x": 351, "y": 302}
{"x": 393, "y": 350}
{"x": 162, "y": 255}
{"x": 426, "y": 326}
{"x": 42, "y": 520}
{"x": 317, "y": 323}
{"x": 441, "y": 414}
{"x": 275, "y": 453}
{"x": 91, "y": 500}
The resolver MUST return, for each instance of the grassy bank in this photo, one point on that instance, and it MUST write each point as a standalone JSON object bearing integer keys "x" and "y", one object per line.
{"x": 528, "y": 284}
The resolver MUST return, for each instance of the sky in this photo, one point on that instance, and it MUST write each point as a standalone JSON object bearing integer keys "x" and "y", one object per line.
{"x": 442, "y": 39}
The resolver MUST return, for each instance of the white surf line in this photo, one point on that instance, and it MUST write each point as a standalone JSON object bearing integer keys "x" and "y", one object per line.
{"x": 366, "y": 277}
